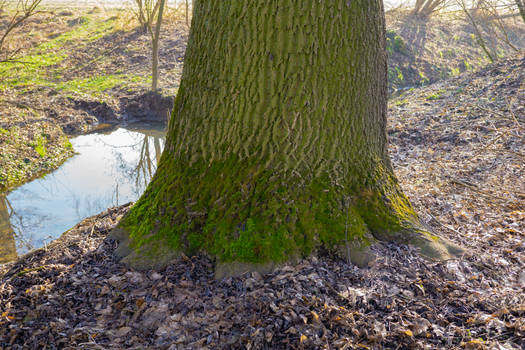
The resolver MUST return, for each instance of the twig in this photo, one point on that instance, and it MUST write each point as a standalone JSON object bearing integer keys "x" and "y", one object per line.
{"x": 476, "y": 189}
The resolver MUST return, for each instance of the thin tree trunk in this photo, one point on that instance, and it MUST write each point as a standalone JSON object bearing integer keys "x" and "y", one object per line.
{"x": 187, "y": 13}
{"x": 155, "y": 48}
{"x": 277, "y": 142}
{"x": 521, "y": 8}
{"x": 479, "y": 35}
{"x": 158, "y": 149}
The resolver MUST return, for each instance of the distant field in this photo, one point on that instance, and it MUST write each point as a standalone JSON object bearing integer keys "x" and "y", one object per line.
{"x": 100, "y": 3}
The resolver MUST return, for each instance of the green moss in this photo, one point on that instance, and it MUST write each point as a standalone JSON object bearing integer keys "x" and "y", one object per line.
{"x": 255, "y": 217}
{"x": 40, "y": 146}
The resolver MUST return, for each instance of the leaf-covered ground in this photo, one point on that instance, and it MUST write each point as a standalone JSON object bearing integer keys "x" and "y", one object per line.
{"x": 457, "y": 148}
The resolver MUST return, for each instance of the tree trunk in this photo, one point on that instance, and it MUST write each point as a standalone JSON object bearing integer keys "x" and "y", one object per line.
{"x": 521, "y": 8}
{"x": 424, "y": 8}
{"x": 277, "y": 142}
{"x": 155, "y": 39}
{"x": 187, "y": 7}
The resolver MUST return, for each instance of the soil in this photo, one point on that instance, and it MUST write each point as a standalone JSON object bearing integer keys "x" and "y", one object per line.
{"x": 457, "y": 148}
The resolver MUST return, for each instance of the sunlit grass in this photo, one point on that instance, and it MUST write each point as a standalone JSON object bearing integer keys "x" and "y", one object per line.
{"x": 40, "y": 67}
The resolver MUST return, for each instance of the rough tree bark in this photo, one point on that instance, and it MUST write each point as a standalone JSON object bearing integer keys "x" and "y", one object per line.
{"x": 277, "y": 142}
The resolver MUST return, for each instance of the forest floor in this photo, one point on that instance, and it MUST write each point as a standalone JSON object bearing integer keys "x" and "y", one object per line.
{"x": 457, "y": 148}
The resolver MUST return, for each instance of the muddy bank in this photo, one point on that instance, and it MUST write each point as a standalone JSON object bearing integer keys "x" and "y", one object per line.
{"x": 37, "y": 142}
{"x": 76, "y": 84}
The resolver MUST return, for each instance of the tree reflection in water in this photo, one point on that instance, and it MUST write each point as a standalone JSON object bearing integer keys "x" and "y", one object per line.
{"x": 147, "y": 166}
{"x": 7, "y": 234}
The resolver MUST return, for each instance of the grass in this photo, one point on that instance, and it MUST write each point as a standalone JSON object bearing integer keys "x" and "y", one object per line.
{"x": 25, "y": 157}
{"x": 97, "y": 85}
{"x": 436, "y": 95}
{"x": 40, "y": 146}
{"x": 42, "y": 67}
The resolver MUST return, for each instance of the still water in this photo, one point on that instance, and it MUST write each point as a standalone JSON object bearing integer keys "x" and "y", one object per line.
{"x": 111, "y": 168}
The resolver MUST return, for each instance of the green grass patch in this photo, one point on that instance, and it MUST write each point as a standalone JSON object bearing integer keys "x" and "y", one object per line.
{"x": 435, "y": 96}
{"x": 40, "y": 146}
{"x": 99, "y": 84}
{"x": 40, "y": 68}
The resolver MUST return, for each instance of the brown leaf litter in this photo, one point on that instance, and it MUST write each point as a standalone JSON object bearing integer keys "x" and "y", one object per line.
{"x": 74, "y": 295}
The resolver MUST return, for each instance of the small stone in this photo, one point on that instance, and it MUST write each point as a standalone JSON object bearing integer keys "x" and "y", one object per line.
{"x": 249, "y": 284}
{"x": 155, "y": 276}
{"x": 123, "y": 331}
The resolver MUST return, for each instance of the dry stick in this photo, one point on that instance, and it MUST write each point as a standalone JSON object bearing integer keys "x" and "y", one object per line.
{"x": 499, "y": 24}
{"x": 509, "y": 106}
{"x": 503, "y": 116}
{"x": 445, "y": 226}
{"x": 511, "y": 152}
{"x": 479, "y": 36}
{"x": 14, "y": 22}
{"x": 476, "y": 189}
{"x": 490, "y": 143}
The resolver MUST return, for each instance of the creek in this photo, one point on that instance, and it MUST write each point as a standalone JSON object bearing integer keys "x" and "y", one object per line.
{"x": 112, "y": 166}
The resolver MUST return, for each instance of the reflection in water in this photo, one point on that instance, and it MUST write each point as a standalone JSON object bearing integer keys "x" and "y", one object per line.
{"x": 7, "y": 238}
{"x": 111, "y": 168}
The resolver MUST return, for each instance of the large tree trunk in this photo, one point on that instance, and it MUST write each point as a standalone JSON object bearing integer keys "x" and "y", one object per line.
{"x": 277, "y": 142}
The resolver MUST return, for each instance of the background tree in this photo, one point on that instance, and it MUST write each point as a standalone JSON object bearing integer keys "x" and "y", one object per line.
{"x": 424, "y": 8}
{"x": 521, "y": 7}
{"x": 15, "y": 14}
{"x": 149, "y": 13}
{"x": 277, "y": 141}
{"x": 7, "y": 237}
{"x": 489, "y": 25}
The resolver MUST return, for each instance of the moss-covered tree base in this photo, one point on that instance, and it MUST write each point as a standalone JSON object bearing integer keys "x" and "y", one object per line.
{"x": 255, "y": 218}
{"x": 277, "y": 142}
